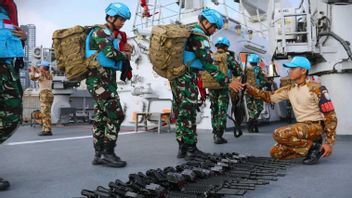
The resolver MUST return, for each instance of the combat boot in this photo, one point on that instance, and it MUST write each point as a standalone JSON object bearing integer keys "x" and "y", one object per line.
{"x": 255, "y": 127}
{"x": 182, "y": 150}
{"x": 193, "y": 152}
{"x": 314, "y": 153}
{"x": 97, "y": 157}
{"x": 218, "y": 139}
{"x": 110, "y": 158}
{"x": 43, "y": 133}
{"x": 4, "y": 185}
{"x": 250, "y": 126}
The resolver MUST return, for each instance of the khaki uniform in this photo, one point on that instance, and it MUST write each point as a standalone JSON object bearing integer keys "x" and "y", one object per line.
{"x": 46, "y": 97}
{"x": 295, "y": 140}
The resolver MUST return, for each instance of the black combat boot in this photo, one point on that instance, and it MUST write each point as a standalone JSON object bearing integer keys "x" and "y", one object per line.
{"x": 255, "y": 127}
{"x": 250, "y": 126}
{"x": 110, "y": 158}
{"x": 314, "y": 153}
{"x": 182, "y": 149}
{"x": 218, "y": 139}
{"x": 97, "y": 157}
{"x": 43, "y": 133}
{"x": 193, "y": 152}
{"x": 4, "y": 185}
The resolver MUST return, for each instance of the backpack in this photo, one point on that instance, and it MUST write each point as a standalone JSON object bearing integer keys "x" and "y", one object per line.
{"x": 220, "y": 60}
{"x": 166, "y": 49}
{"x": 69, "y": 47}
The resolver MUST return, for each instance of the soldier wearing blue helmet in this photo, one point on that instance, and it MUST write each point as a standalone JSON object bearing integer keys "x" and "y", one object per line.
{"x": 11, "y": 60}
{"x": 219, "y": 96}
{"x": 255, "y": 77}
{"x": 197, "y": 56}
{"x": 113, "y": 54}
{"x": 46, "y": 97}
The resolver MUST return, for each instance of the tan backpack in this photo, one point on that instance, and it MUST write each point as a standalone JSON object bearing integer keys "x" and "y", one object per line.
{"x": 220, "y": 60}
{"x": 69, "y": 48}
{"x": 167, "y": 44}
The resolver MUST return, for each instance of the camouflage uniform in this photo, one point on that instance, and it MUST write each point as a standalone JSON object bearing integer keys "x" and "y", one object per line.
{"x": 46, "y": 97}
{"x": 10, "y": 99}
{"x": 219, "y": 99}
{"x": 295, "y": 140}
{"x": 255, "y": 106}
{"x": 101, "y": 84}
{"x": 185, "y": 91}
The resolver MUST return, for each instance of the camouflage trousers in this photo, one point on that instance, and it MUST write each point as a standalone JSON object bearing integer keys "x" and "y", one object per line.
{"x": 46, "y": 98}
{"x": 108, "y": 113}
{"x": 254, "y": 106}
{"x": 294, "y": 141}
{"x": 184, "y": 104}
{"x": 10, "y": 100}
{"x": 219, "y": 99}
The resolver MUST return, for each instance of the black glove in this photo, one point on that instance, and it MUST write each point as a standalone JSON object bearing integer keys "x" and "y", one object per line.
{"x": 19, "y": 64}
{"x": 126, "y": 71}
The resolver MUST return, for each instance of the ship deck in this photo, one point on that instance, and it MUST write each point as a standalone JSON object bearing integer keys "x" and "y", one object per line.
{"x": 60, "y": 165}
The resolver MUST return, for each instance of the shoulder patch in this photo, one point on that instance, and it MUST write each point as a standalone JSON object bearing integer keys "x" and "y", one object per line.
{"x": 325, "y": 103}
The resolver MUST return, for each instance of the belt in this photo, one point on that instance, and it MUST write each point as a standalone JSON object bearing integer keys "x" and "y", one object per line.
{"x": 314, "y": 122}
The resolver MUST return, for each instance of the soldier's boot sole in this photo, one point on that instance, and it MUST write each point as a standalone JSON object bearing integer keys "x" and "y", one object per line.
{"x": 4, "y": 185}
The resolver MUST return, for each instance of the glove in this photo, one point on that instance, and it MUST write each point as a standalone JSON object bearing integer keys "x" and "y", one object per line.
{"x": 126, "y": 71}
{"x": 19, "y": 64}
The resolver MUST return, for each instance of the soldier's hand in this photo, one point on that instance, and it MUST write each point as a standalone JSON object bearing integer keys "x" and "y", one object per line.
{"x": 19, "y": 33}
{"x": 236, "y": 85}
{"x": 326, "y": 149}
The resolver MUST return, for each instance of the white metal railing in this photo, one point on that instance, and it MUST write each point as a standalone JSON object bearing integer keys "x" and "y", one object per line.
{"x": 171, "y": 10}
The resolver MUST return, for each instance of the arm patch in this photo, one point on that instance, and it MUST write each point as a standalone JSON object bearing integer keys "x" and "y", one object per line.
{"x": 325, "y": 103}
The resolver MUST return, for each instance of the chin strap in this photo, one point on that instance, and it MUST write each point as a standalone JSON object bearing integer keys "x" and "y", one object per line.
{"x": 206, "y": 29}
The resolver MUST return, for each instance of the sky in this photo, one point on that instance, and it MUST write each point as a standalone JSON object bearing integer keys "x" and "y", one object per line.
{"x": 50, "y": 15}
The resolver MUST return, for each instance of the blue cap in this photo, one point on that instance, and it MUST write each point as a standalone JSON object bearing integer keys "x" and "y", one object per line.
{"x": 299, "y": 61}
{"x": 44, "y": 63}
{"x": 119, "y": 9}
{"x": 213, "y": 16}
{"x": 222, "y": 40}
{"x": 253, "y": 58}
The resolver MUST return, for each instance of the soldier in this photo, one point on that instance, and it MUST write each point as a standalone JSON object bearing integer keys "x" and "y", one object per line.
{"x": 219, "y": 97}
{"x": 313, "y": 110}
{"x": 10, "y": 86}
{"x": 46, "y": 96}
{"x": 101, "y": 84}
{"x": 184, "y": 88}
{"x": 255, "y": 77}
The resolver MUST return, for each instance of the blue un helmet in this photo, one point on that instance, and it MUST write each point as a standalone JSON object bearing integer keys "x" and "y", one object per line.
{"x": 223, "y": 41}
{"x": 118, "y": 9}
{"x": 299, "y": 61}
{"x": 213, "y": 16}
{"x": 253, "y": 58}
{"x": 44, "y": 63}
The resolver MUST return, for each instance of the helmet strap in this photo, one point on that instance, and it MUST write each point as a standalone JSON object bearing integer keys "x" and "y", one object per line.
{"x": 206, "y": 29}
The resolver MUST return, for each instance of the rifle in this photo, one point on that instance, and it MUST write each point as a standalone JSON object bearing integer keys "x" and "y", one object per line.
{"x": 213, "y": 175}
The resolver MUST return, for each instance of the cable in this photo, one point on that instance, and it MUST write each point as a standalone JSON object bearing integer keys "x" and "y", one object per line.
{"x": 345, "y": 44}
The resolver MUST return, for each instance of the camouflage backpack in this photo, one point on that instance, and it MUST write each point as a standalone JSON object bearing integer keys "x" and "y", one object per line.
{"x": 220, "y": 60}
{"x": 167, "y": 44}
{"x": 69, "y": 48}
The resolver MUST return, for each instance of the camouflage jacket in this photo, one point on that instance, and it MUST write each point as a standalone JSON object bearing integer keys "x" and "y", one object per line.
{"x": 102, "y": 39}
{"x": 235, "y": 68}
{"x": 306, "y": 106}
{"x": 199, "y": 44}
